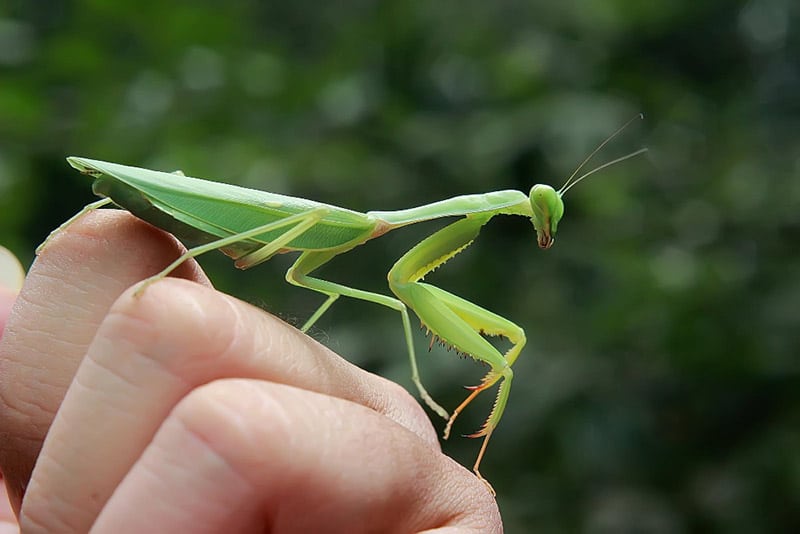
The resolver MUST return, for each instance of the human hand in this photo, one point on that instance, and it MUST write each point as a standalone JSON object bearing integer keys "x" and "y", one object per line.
{"x": 185, "y": 410}
{"x": 12, "y": 275}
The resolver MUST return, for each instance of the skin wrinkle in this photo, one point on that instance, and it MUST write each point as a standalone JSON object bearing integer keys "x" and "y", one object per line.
{"x": 213, "y": 397}
{"x": 212, "y": 402}
{"x": 46, "y": 522}
{"x": 231, "y": 350}
{"x": 264, "y": 344}
{"x": 46, "y": 466}
{"x": 74, "y": 309}
{"x": 51, "y": 464}
{"x": 91, "y": 230}
{"x": 333, "y": 371}
{"x": 34, "y": 524}
{"x": 43, "y": 522}
{"x": 380, "y": 496}
{"x": 34, "y": 440}
{"x": 23, "y": 363}
{"x": 112, "y": 368}
{"x": 400, "y": 403}
{"x": 32, "y": 300}
{"x": 78, "y": 383}
{"x": 190, "y": 434}
{"x": 121, "y": 320}
{"x": 172, "y": 437}
{"x": 216, "y": 349}
{"x": 26, "y": 410}
{"x": 20, "y": 329}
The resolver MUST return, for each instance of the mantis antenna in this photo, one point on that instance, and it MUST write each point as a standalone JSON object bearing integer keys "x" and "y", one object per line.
{"x": 570, "y": 182}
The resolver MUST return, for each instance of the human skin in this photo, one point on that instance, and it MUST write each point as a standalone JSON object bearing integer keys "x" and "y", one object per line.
{"x": 186, "y": 410}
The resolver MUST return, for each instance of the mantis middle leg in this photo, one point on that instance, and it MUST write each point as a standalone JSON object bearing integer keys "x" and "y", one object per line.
{"x": 296, "y": 224}
{"x": 456, "y": 321}
{"x": 311, "y": 260}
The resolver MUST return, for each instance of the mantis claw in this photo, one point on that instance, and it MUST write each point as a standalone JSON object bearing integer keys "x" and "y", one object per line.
{"x": 479, "y": 434}
{"x": 433, "y": 405}
{"x": 147, "y": 282}
{"x": 485, "y": 483}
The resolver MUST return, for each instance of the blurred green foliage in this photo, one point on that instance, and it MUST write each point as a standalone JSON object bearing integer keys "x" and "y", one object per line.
{"x": 659, "y": 391}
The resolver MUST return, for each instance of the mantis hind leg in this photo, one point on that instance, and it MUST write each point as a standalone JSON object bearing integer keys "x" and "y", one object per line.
{"x": 297, "y": 225}
{"x": 311, "y": 260}
{"x": 458, "y": 322}
{"x": 86, "y": 209}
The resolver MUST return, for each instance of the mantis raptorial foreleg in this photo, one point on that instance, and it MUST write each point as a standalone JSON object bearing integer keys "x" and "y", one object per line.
{"x": 456, "y": 321}
{"x": 298, "y": 275}
{"x": 486, "y": 323}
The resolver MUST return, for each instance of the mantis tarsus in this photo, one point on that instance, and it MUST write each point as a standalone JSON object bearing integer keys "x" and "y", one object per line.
{"x": 251, "y": 226}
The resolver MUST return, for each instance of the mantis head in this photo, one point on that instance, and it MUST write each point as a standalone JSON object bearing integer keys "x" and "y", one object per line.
{"x": 548, "y": 208}
{"x": 547, "y": 203}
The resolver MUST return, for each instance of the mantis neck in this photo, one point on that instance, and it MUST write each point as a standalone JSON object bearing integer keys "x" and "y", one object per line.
{"x": 509, "y": 202}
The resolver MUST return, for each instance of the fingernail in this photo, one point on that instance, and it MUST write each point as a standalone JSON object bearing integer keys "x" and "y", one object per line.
{"x": 12, "y": 273}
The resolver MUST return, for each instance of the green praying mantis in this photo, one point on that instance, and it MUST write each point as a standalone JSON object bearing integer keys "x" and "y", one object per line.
{"x": 251, "y": 226}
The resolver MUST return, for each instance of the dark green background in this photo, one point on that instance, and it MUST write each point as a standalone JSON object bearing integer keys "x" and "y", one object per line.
{"x": 659, "y": 390}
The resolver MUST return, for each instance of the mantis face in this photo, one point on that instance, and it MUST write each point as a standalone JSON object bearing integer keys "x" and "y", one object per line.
{"x": 548, "y": 208}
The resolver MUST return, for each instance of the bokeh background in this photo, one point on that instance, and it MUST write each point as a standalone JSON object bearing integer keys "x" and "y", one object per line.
{"x": 659, "y": 391}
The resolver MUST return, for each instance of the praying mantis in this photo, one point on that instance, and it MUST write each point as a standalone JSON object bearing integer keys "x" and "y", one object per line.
{"x": 252, "y": 226}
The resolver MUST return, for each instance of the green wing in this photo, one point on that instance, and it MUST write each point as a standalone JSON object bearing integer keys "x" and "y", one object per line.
{"x": 199, "y": 211}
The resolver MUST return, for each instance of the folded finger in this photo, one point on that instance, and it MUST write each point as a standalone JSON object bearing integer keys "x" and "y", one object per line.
{"x": 245, "y": 455}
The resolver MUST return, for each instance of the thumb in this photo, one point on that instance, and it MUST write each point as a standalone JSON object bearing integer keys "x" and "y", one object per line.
{"x": 11, "y": 277}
